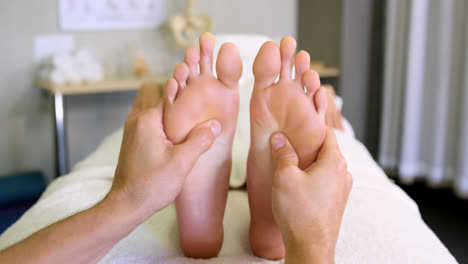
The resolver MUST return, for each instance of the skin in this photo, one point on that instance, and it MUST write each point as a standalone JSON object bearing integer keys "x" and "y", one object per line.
{"x": 192, "y": 98}
{"x": 150, "y": 174}
{"x": 333, "y": 116}
{"x": 280, "y": 106}
{"x": 309, "y": 204}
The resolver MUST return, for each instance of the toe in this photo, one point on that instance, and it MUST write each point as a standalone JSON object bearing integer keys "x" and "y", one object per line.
{"x": 192, "y": 59}
{"x": 267, "y": 65}
{"x": 207, "y": 41}
{"x": 302, "y": 64}
{"x": 288, "y": 48}
{"x": 311, "y": 81}
{"x": 181, "y": 74}
{"x": 321, "y": 102}
{"x": 229, "y": 65}
{"x": 170, "y": 92}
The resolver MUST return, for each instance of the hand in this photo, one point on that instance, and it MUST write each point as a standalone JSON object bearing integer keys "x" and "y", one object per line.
{"x": 308, "y": 205}
{"x": 151, "y": 170}
{"x": 149, "y": 176}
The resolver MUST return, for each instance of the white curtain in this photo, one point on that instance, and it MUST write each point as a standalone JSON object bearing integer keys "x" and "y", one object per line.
{"x": 425, "y": 109}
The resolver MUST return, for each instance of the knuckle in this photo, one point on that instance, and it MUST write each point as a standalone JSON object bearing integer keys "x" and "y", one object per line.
{"x": 141, "y": 122}
{"x": 286, "y": 156}
{"x": 285, "y": 170}
{"x": 206, "y": 138}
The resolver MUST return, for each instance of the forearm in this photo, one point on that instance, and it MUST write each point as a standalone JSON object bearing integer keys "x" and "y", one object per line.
{"x": 85, "y": 237}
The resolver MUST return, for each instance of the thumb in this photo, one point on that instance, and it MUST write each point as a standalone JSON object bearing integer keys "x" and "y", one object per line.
{"x": 283, "y": 153}
{"x": 198, "y": 141}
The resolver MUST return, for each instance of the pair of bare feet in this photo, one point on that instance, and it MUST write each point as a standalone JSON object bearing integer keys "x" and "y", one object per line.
{"x": 295, "y": 106}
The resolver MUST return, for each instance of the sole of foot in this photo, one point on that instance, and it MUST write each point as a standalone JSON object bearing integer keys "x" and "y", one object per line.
{"x": 194, "y": 95}
{"x": 295, "y": 106}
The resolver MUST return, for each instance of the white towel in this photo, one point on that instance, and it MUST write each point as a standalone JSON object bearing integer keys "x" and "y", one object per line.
{"x": 381, "y": 223}
{"x": 68, "y": 68}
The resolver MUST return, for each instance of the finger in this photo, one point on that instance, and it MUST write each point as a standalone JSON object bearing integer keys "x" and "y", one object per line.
{"x": 283, "y": 153}
{"x": 158, "y": 112}
{"x": 151, "y": 118}
{"x": 330, "y": 146}
{"x": 148, "y": 96}
{"x": 198, "y": 142}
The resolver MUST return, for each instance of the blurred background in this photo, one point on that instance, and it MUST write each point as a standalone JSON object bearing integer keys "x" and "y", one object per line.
{"x": 401, "y": 67}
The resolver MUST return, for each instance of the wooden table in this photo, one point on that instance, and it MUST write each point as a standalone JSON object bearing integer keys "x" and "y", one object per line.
{"x": 59, "y": 91}
{"x": 327, "y": 72}
{"x": 328, "y": 75}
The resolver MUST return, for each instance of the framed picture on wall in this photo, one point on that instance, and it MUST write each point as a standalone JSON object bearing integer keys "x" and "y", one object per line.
{"x": 78, "y": 15}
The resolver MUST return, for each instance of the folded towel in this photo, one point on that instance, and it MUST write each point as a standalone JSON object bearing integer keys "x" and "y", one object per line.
{"x": 68, "y": 68}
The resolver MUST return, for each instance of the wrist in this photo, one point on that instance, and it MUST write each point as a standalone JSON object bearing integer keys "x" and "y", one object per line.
{"x": 123, "y": 210}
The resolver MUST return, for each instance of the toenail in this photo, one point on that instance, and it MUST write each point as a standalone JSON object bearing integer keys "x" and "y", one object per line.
{"x": 277, "y": 141}
{"x": 215, "y": 127}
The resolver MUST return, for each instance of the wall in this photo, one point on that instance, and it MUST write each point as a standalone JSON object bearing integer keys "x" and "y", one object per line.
{"x": 26, "y": 137}
{"x": 348, "y": 34}
{"x": 355, "y": 61}
{"x": 319, "y": 30}
{"x": 361, "y": 67}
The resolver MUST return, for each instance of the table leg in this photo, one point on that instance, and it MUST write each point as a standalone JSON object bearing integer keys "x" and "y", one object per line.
{"x": 60, "y": 136}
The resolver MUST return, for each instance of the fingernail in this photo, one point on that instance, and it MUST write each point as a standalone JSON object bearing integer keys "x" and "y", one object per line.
{"x": 277, "y": 141}
{"x": 215, "y": 127}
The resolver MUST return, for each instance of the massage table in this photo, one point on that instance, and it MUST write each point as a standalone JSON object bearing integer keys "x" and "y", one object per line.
{"x": 381, "y": 223}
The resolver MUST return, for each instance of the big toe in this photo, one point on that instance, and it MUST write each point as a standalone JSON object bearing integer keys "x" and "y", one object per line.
{"x": 229, "y": 65}
{"x": 267, "y": 65}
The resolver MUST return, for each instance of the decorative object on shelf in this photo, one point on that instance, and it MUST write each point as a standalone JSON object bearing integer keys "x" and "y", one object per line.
{"x": 141, "y": 67}
{"x": 71, "y": 68}
{"x": 186, "y": 28}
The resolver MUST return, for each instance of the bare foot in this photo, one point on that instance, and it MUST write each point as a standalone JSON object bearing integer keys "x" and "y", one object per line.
{"x": 282, "y": 106}
{"x": 333, "y": 116}
{"x": 191, "y": 99}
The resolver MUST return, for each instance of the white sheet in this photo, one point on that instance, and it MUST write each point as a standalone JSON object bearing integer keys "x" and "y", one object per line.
{"x": 381, "y": 223}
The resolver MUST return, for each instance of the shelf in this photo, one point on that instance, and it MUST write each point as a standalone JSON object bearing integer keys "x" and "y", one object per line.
{"x": 108, "y": 86}
{"x": 326, "y": 72}
{"x": 100, "y": 87}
